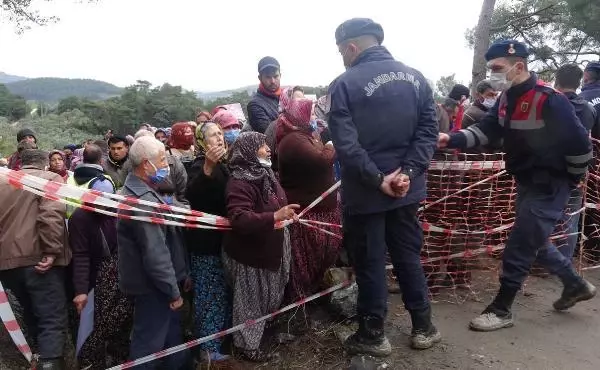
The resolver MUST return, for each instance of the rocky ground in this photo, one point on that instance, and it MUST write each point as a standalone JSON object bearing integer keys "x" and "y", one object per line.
{"x": 541, "y": 339}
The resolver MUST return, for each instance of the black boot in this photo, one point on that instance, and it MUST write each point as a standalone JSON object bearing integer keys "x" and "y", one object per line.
{"x": 574, "y": 292}
{"x": 497, "y": 315}
{"x": 369, "y": 339}
{"x": 424, "y": 335}
{"x": 51, "y": 364}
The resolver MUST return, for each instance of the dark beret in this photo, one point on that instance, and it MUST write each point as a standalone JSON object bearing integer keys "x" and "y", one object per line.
{"x": 357, "y": 27}
{"x": 507, "y": 48}
{"x": 458, "y": 91}
{"x": 593, "y": 66}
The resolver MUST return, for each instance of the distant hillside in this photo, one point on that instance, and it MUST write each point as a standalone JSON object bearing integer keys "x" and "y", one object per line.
{"x": 54, "y": 89}
{"x": 225, "y": 93}
{"x": 6, "y": 78}
{"x": 251, "y": 89}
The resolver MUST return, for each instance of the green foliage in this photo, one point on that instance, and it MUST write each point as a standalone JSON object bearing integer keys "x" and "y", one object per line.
{"x": 557, "y": 32}
{"x": 12, "y": 106}
{"x": 443, "y": 86}
{"x": 54, "y": 89}
{"x": 52, "y": 131}
{"x": 77, "y": 118}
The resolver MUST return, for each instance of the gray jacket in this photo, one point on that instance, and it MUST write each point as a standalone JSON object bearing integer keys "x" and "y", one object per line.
{"x": 151, "y": 256}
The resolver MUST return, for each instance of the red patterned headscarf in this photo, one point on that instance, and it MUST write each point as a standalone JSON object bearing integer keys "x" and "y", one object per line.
{"x": 182, "y": 136}
{"x": 295, "y": 115}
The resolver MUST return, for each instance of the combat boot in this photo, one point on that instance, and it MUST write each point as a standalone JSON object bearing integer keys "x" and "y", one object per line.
{"x": 497, "y": 315}
{"x": 580, "y": 291}
{"x": 424, "y": 334}
{"x": 369, "y": 339}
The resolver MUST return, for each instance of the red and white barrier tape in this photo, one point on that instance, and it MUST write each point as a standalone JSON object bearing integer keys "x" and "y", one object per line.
{"x": 195, "y": 342}
{"x": 54, "y": 189}
{"x": 466, "y": 165}
{"x": 12, "y": 326}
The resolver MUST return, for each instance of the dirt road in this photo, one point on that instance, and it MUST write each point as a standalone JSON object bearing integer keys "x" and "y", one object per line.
{"x": 541, "y": 339}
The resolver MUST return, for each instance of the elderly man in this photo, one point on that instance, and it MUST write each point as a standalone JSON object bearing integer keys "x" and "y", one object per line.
{"x": 384, "y": 149}
{"x": 151, "y": 260}
{"x": 33, "y": 256}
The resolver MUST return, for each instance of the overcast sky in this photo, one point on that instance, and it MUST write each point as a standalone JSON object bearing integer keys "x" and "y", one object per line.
{"x": 213, "y": 45}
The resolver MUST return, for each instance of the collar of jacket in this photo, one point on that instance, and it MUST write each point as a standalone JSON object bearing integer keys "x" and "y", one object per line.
{"x": 520, "y": 89}
{"x": 115, "y": 163}
{"x": 479, "y": 105}
{"x": 373, "y": 54}
{"x": 31, "y": 167}
{"x": 591, "y": 86}
{"x": 138, "y": 187}
{"x": 570, "y": 95}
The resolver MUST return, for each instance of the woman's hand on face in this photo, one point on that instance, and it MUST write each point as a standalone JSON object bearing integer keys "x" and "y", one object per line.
{"x": 213, "y": 156}
{"x": 287, "y": 213}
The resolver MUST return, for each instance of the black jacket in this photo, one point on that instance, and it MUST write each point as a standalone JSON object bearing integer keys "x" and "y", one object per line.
{"x": 382, "y": 118}
{"x": 591, "y": 93}
{"x": 206, "y": 194}
{"x": 583, "y": 109}
{"x": 558, "y": 148}
{"x": 262, "y": 110}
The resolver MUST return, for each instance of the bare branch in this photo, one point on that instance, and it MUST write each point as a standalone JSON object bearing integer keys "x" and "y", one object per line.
{"x": 520, "y": 18}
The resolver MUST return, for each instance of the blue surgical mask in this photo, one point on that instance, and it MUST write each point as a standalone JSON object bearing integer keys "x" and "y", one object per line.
{"x": 313, "y": 125}
{"x": 160, "y": 175}
{"x": 231, "y": 135}
{"x": 168, "y": 199}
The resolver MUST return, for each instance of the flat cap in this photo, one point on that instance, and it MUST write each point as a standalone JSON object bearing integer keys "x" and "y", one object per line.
{"x": 357, "y": 27}
{"x": 593, "y": 66}
{"x": 507, "y": 48}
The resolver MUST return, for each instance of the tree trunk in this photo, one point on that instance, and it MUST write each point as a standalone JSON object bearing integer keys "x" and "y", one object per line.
{"x": 482, "y": 43}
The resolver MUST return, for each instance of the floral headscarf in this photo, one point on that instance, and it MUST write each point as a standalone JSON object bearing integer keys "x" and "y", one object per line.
{"x": 244, "y": 164}
{"x": 295, "y": 115}
{"x": 201, "y": 138}
{"x": 182, "y": 136}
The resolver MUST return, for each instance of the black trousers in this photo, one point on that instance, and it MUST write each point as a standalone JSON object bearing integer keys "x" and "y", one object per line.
{"x": 42, "y": 297}
{"x": 367, "y": 239}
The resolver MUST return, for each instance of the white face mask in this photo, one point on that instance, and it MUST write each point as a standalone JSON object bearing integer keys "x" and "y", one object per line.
{"x": 265, "y": 162}
{"x": 499, "y": 80}
{"x": 489, "y": 102}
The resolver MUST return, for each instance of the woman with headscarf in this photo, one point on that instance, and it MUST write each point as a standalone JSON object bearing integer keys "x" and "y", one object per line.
{"x": 57, "y": 164}
{"x": 256, "y": 255}
{"x": 205, "y": 192}
{"x": 181, "y": 141}
{"x": 305, "y": 172}
{"x": 229, "y": 124}
{"x": 203, "y": 117}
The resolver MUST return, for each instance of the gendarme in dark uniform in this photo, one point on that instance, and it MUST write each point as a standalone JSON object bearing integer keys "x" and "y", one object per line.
{"x": 382, "y": 118}
{"x": 591, "y": 92}
{"x": 547, "y": 151}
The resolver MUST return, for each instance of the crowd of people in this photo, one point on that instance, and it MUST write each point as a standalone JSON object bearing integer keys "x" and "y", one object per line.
{"x": 127, "y": 280}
